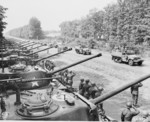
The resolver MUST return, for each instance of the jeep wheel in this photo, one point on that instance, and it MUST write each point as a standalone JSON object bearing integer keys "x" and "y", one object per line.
{"x": 139, "y": 63}
{"x": 130, "y": 62}
{"x": 119, "y": 60}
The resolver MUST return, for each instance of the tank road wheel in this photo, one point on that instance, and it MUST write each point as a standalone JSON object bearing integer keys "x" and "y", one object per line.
{"x": 139, "y": 63}
{"x": 130, "y": 62}
{"x": 115, "y": 59}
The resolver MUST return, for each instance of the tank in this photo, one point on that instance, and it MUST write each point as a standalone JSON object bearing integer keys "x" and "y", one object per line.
{"x": 13, "y": 59}
{"x": 58, "y": 103}
{"x": 33, "y": 72}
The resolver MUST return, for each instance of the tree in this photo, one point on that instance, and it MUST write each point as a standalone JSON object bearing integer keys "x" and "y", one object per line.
{"x": 2, "y": 24}
{"x": 35, "y": 31}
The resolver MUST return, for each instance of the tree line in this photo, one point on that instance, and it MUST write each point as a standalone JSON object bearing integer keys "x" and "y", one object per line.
{"x": 2, "y": 23}
{"x": 31, "y": 31}
{"x": 125, "y": 23}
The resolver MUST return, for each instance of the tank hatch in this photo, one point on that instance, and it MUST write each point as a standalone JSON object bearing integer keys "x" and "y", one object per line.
{"x": 36, "y": 107}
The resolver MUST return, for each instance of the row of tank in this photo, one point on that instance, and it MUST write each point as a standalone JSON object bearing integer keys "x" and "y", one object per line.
{"x": 30, "y": 91}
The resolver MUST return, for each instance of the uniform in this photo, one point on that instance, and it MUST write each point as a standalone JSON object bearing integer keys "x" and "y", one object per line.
{"x": 70, "y": 76}
{"x": 135, "y": 92}
{"x": 3, "y": 106}
{"x": 86, "y": 87}
{"x": 92, "y": 91}
{"x": 81, "y": 87}
{"x": 128, "y": 113}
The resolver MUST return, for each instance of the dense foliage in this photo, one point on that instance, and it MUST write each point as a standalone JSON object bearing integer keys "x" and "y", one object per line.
{"x": 32, "y": 30}
{"x": 124, "y": 23}
{"x": 2, "y": 23}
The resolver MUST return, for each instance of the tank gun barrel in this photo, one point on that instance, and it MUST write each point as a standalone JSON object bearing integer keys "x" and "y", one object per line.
{"x": 38, "y": 51}
{"x": 26, "y": 80}
{"x": 53, "y": 55}
{"x": 26, "y": 44}
{"x": 79, "y": 62}
{"x": 29, "y": 45}
{"x": 114, "y": 92}
{"x": 35, "y": 47}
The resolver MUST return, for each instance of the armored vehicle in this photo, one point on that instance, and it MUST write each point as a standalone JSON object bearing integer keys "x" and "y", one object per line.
{"x": 84, "y": 51}
{"x": 33, "y": 72}
{"x": 57, "y": 102}
{"x": 128, "y": 56}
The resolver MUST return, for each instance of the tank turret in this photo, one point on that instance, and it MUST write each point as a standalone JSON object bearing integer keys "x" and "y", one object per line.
{"x": 37, "y": 72}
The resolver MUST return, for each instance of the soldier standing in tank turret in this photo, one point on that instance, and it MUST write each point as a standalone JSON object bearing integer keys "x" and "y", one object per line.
{"x": 129, "y": 112}
{"x": 135, "y": 93}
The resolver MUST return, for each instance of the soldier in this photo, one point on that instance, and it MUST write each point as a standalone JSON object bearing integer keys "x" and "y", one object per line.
{"x": 92, "y": 90}
{"x": 129, "y": 112}
{"x": 3, "y": 105}
{"x": 100, "y": 105}
{"x": 81, "y": 86}
{"x": 70, "y": 76}
{"x": 86, "y": 88}
{"x": 135, "y": 93}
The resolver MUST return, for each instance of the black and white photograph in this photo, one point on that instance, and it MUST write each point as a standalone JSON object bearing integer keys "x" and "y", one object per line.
{"x": 75, "y": 60}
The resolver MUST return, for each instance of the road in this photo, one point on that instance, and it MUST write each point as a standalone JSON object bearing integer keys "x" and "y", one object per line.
{"x": 103, "y": 71}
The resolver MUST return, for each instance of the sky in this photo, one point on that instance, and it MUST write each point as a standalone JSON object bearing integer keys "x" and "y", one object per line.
{"x": 51, "y": 13}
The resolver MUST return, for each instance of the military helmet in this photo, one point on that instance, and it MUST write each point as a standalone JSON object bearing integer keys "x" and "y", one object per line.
{"x": 87, "y": 81}
{"x": 129, "y": 104}
{"x": 93, "y": 84}
{"x": 82, "y": 79}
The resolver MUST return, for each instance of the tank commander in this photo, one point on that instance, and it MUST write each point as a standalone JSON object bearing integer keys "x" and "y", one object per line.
{"x": 81, "y": 86}
{"x": 129, "y": 112}
{"x": 135, "y": 93}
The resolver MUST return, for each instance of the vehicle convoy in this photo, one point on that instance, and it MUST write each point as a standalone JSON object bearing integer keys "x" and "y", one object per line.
{"x": 128, "y": 56}
{"x": 84, "y": 51}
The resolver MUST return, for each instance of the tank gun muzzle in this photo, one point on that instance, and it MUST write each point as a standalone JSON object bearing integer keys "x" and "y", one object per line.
{"x": 114, "y": 92}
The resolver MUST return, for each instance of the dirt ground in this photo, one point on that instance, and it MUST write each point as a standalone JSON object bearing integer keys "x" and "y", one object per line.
{"x": 103, "y": 71}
